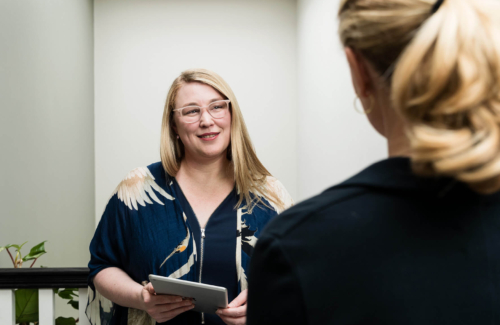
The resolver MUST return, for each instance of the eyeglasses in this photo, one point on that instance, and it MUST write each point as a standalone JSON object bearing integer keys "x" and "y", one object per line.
{"x": 192, "y": 114}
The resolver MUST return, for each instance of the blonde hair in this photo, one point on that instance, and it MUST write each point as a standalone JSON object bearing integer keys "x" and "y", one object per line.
{"x": 444, "y": 73}
{"x": 250, "y": 175}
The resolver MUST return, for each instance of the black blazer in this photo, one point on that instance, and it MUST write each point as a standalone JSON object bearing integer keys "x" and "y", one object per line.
{"x": 384, "y": 247}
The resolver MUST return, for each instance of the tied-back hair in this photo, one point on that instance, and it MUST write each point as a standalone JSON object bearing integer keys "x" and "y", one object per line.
{"x": 250, "y": 175}
{"x": 444, "y": 72}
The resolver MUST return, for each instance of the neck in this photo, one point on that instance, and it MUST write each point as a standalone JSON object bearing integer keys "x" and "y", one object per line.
{"x": 205, "y": 171}
{"x": 398, "y": 144}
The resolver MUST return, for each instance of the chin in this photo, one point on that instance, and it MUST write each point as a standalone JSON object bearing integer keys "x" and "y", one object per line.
{"x": 213, "y": 153}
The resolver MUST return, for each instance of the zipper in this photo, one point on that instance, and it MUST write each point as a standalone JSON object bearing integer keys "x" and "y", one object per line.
{"x": 201, "y": 265}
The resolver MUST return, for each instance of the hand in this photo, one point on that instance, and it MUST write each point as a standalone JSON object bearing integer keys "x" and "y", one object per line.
{"x": 163, "y": 307}
{"x": 236, "y": 311}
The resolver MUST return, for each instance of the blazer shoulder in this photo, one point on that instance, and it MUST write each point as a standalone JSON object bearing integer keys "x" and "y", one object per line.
{"x": 311, "y": 208}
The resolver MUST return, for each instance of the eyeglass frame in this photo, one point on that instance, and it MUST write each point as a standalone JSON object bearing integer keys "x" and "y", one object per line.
{"x": 228, "y": 101}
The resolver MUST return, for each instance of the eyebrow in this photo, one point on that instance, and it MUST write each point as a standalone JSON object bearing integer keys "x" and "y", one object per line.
{"x": 196, "y": 104}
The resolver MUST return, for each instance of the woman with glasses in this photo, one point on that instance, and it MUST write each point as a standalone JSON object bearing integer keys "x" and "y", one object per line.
{"x": 415, "y": 238}
{"x": 196, "y": 215}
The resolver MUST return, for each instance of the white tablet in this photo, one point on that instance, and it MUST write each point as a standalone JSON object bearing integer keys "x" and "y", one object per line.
{"x": 207, "y": 298}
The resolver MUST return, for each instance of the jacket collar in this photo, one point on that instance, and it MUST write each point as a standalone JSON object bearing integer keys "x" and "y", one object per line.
{"x": 396, "y": 174}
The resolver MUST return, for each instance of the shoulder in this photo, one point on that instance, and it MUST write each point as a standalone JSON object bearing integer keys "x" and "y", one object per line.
{"x": 362, "y": 198}
{"x": 389, "y": 174}
{"x": 276, "y": 187}
{"x": 313, "y": 209}
{"x": 141, "y": 186}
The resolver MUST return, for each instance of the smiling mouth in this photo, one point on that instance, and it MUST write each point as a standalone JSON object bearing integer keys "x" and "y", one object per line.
{"x": 208, "y": 135}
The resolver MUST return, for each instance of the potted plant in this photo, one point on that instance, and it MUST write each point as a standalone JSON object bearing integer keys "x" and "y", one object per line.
{"x": 27, "y": 299}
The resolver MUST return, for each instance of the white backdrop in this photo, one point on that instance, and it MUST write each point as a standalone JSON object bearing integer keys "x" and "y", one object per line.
{"x": 334, "y": 141}
{"x": 282, "y": 58}
{"x": 47, "y": 129}
{"x": 141, "y": 46}
{"x": 47, "y": 132}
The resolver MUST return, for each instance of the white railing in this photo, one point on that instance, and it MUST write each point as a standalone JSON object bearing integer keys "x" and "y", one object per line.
{"x": 44, "y": 280}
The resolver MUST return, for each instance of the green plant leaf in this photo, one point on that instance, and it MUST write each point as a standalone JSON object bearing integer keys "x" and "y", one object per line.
{"x": 18, "y": 247}
{"x": 26, "y": 305}
{"x": 72, "y": 289}
{"x": 65, "y": 321}
{"x": 74, "y": 304}
{"x": 67, "y": 294}
{"x": 5, "y": 247}
{"x": 56, "y": 290}
{"x": 35, "y": 252}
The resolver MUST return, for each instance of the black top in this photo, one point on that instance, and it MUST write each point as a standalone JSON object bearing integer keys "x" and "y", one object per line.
{"x": 384, "y": 247}
{"x": 219, "y": 246}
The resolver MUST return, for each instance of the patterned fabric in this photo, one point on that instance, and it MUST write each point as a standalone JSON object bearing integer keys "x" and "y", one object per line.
{"x": 144, "y": 231}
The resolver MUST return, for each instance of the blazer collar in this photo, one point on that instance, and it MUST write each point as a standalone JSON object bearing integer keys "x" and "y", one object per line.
{"x": 396, "y": 174}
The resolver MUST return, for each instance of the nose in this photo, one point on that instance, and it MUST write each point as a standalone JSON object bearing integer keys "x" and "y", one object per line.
{"x": 206, "y": 119}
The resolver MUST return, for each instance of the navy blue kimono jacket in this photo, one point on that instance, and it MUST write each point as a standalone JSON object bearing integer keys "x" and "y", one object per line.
{"x": 144, "y": 231}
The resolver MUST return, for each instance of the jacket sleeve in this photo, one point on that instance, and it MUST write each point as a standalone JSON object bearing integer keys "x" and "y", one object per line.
{"x": 274, "y": 293}
{"x": 107, "y": 249}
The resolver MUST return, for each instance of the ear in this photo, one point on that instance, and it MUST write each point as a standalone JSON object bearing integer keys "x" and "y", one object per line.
{"x": 360, "y": 76}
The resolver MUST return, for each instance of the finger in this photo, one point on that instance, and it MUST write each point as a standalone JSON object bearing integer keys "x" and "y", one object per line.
{"x": 175, "y": 312}
{"x": 240, "y": 300}
{"x": 169, "y": 307}
{"x": 146, "y": 296}
{"x": 150, "y": 289}
{"x": 233, "y": 312}
{"x": 233, "y": 320}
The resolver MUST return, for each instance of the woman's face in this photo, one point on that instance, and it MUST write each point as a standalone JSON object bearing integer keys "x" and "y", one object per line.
{"x": 209, "y": 137}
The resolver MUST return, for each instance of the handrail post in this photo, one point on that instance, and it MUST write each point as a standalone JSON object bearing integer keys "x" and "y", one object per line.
{"x": 82, "y": 303}
{"x": 7, "y": 307}
{"x": 46, "y": 307}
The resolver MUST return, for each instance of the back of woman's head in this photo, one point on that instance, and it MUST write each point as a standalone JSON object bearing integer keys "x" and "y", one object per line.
{"x": 443, "y": 67}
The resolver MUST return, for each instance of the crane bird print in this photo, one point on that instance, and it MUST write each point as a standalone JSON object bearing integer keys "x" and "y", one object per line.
{"x": 137, "y": 188}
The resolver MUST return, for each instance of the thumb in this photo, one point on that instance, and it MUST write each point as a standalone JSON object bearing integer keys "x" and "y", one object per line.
{"x": 149, "y": 288}
{"x": 240, "y": 300}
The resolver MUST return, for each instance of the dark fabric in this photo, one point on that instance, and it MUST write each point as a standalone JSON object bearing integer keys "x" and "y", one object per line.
{"x": 436, "y": 6}
{"x": 284, "y": 305}
{"x": 384, "y": 247}
{"x": 219, "y": 249}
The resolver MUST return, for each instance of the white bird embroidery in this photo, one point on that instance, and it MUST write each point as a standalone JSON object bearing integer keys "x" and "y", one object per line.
{"x": 96, "y": 302}
{"x": 247, "y": 235}
{"x": 184, "y": 269}
{"x": 136, "y": 186}
{"x": 182, "y": 246}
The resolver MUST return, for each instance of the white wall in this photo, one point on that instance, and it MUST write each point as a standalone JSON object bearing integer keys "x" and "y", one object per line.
{"x": 47, "y": 131}
{"x": 334, "y": 142}
{"x": 141, "y": 46}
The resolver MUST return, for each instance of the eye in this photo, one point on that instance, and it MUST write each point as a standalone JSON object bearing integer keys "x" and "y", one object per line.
{"x": 191, "y": 111}
{"x": 217, "y": 106}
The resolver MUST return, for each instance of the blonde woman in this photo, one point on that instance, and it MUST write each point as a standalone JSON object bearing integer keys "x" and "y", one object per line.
{"x": 415, "y": 238}
{"x": 196, "y": 215}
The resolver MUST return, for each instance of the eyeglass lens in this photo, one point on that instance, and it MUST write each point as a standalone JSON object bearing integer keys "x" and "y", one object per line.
{"x": 216, "y": 109}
